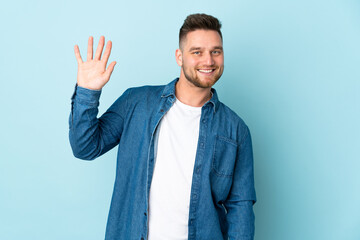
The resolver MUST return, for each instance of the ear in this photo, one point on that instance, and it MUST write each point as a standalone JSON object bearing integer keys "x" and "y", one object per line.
{"x": 178, "y": 57}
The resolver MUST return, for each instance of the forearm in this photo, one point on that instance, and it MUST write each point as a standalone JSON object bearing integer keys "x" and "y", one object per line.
{"x": 239, "y": 205}
{"x": 241, "y": 220}
{"x": 90, "y": 136}
{"x": 83, "y": 123}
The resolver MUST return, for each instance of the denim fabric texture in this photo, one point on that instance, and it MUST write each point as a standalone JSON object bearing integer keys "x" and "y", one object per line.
{"x": 222, "y": 192}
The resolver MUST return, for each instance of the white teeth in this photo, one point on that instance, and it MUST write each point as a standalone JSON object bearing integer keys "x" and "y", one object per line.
{"x": 205, "y": 71}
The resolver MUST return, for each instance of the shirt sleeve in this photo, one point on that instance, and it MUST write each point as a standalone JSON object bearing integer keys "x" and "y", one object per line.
{"x": 89, "y": 136}
{"x": 239, "y": 204}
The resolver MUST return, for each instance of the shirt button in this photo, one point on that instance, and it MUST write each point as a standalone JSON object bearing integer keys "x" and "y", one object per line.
{"x": 145, "y": 213}
{"x": 204, "y": 121}
{"x": 198, "y": 170}
{"x": 161, "y": 110}
{"x": 202, "y": 144}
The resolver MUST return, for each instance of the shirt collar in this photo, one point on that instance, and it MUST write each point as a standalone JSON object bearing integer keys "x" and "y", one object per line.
{"x": 169, "y": 91}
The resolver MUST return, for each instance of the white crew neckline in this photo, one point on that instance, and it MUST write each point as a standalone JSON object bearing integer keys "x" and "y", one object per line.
{"x": 187, "y": 107}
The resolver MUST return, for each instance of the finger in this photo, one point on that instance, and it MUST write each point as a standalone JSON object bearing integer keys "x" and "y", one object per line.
{"x": 77, "y": 54}
{"x": 90, "y": 49}
{"x": 110, "y": 69}
{"x": 99, "y": 48}
{"x": 107, "y": 52}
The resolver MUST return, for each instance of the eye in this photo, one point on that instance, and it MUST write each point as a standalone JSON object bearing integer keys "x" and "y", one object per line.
{"x": 217, "y": 52}
{"x": 196, "y": 53}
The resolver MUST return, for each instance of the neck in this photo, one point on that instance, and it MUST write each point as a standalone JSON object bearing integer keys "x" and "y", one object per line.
{"x": 191, "y": 95}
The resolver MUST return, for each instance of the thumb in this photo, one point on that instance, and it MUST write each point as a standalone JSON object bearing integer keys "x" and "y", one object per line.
{"x": 110, "y": 69}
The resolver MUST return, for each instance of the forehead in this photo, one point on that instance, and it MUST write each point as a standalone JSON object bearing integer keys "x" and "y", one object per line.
{"x": 202, "y": 39}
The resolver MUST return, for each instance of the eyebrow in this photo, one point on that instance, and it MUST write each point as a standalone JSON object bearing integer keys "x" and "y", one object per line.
{"x": 194, "y": 48}
{"x": 199, "y": 48}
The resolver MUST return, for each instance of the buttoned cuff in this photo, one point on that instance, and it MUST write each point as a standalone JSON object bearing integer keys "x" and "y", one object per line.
{"x": 86, "y": 95}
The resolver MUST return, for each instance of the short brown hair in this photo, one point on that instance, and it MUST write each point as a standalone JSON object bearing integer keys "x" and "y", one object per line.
{"x": 199, "y": 21}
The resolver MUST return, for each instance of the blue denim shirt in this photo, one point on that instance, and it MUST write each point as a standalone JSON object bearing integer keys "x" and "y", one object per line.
{"x": 222, "y": 191}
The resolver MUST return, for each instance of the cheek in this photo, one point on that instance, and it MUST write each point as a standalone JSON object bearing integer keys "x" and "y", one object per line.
{"x": 193, "y": 63}
{"x": 190, "y": 61}
{"x": 220, "y": 61}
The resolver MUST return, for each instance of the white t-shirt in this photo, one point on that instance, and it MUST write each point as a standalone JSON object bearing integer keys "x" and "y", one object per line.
{"x": 169, "y": 199}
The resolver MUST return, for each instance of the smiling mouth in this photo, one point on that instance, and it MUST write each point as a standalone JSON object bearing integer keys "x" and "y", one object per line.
{"x": 206, "y": 70}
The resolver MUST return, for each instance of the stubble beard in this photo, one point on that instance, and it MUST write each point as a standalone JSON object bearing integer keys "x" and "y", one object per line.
{"x": 194, "y": 79}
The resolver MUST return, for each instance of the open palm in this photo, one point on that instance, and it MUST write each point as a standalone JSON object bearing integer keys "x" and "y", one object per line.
{"x": 93, "y": 73}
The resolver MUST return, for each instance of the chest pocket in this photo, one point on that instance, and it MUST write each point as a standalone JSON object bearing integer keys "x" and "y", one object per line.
{"x": 224, "y": 157}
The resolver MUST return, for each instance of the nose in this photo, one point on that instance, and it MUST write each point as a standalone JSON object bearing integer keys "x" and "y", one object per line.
{"x": 208, "y": 59}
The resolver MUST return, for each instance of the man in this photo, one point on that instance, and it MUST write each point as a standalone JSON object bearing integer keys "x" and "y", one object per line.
{"x": 184, "y": 165}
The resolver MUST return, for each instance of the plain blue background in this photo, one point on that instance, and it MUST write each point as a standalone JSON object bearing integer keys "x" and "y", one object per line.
{"x": 292, "y": 72}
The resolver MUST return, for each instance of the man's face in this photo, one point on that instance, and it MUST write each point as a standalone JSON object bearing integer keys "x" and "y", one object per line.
{"x": 201, "y": 58}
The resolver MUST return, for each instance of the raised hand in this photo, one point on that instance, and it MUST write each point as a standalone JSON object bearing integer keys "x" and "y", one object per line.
{"x": 93, "y": 74}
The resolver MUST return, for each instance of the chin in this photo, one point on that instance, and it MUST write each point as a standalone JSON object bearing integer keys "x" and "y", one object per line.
{"x": 203, "y": 83}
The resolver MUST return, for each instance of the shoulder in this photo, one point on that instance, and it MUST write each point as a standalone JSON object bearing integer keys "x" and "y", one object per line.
{"x": 233, "y": 125}
{"x": 227, "y": 113}
{"x": 137, "y": 93}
